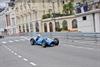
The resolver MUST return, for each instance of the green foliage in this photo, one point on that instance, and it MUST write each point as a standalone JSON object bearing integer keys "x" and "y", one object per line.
{"x": 65, "y": 8}
{"x": 58, "y": 29}
{"x": 46, "y": 16}
{"x": 53, "y": 15}
{"x": 68, "y": 8}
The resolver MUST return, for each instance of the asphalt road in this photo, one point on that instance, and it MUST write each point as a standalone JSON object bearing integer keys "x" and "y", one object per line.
{"x": 17, "y": 52}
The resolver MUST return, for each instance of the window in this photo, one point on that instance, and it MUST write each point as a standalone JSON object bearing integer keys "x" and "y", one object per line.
{"x": 23, "y": 28}
{"x": 57, "y": 26}
{"x": 74, "y": 23}
{"x": 84, "y": 18}
{"x": 27, "y": 27}
{"x": 64, "y": 25}
{"x": 20, "y": 29}
{"x": 51, "y": 27}
{"x": 63, "y": 2}
{"x": 37, "y": 26}
{"x": 31, "y": 27}
{"x": 45, "y": 27}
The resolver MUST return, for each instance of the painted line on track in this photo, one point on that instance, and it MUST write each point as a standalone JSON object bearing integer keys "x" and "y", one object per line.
{"x": 16, "y": 40}
{"x": 12, "y": 51}
{"x": 33, "y": 64}
{"x": 15, "y": 53}
{"x": 11, "y": 41}
{"x": 19, "y": 56}
{"x": 25, "y": 59}
{"x": 22, "y": 39}
{"x": 4, "y": 42}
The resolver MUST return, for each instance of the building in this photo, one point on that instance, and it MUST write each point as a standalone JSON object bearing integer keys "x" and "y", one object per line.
{"x": 3, "y": 18}
{"x": 89, "y": 21}
{"x": 29, "y": 16}
{"x": 26, "y": 15}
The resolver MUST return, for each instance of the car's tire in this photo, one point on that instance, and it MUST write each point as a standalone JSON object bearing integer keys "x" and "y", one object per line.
{"x": 56, "y": 41}
{"x": 52, "y": 45}
{"x": 44, "y": 45}
{"x": 32, "y": 41}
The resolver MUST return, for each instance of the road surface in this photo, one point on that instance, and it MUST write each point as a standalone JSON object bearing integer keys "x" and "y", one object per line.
{"x": 17, "y": 52}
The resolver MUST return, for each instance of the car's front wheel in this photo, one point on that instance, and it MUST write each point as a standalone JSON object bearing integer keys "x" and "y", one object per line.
{"x": 44, "y": 45}
{"x": 56, "y": 40}
{"x": 32, "y": 41}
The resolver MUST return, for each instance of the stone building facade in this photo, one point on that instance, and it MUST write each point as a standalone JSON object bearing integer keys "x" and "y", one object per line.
{"x": 26, "y": 16}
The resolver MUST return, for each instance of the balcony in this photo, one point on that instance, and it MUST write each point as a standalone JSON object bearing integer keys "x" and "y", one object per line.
{"x": 87, "y": 6}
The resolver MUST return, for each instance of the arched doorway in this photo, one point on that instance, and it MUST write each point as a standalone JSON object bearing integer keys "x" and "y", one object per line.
{"x": 23, "y": 28}
{"x": 27, "y": 27}
{"x": 45, "y": 27}
{"x": 37, "y": 26}
{"x": 64, "y": 25}
{"x": 74, "y": 23}
{"x": 57, "y": 26}
{"x": 31, "y": 27}
{"x": 19, "y": 29}
{"x": 51, "y": 27}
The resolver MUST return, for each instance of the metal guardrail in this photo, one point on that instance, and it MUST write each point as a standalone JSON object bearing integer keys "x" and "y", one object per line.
{"x": 70, "y": 35}
{"x": 91, "y": 39}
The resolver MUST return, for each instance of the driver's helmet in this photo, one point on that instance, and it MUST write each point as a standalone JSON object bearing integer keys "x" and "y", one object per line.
{"x": 38, "y": 35}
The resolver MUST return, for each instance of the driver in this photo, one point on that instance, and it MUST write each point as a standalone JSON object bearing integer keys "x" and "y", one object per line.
{"x": 38, "y": 36}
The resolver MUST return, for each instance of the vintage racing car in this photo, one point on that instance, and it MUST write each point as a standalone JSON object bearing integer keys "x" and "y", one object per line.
{"x": 44, "y": 41}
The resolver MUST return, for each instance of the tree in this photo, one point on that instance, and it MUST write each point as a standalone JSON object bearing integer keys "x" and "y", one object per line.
{"x": 71, "y": 7}
{"x": 68, "y": 8}
{"x": 65, "y": 8}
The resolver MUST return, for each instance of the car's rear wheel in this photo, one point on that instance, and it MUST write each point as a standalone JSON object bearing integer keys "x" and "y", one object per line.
{"x": 56, "y": 40}
{"x": 32, "y": 41}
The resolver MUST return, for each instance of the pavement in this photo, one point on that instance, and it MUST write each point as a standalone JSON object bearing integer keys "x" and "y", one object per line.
{"x": 17, "y": 52}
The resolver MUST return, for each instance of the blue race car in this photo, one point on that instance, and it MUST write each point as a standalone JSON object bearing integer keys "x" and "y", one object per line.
{"x": 44, "y": 41}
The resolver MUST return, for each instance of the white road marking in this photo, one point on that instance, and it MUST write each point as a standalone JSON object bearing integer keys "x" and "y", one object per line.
{"x": 15, "y": 53}
{"x": 12, "y": 51}
{"x": 25, "y": 59}
{"x": 9, "y": 49}
{"x": 22, "y": 39}
{"x": 10, "y": 41}
{"x": 16, "y": 40}
{"x": 19, "y": 56}
{"x": 32, "y": 63}
{"x": 4, "y": 42}
{"x": 27, "y": 38}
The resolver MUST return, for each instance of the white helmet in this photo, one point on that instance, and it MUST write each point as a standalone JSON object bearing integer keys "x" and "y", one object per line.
{"x": 39, "y": 35}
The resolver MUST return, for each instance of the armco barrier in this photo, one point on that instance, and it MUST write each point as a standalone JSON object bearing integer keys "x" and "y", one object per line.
{"x": 64, "y": 37}
{"x": 69, "y": 35}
